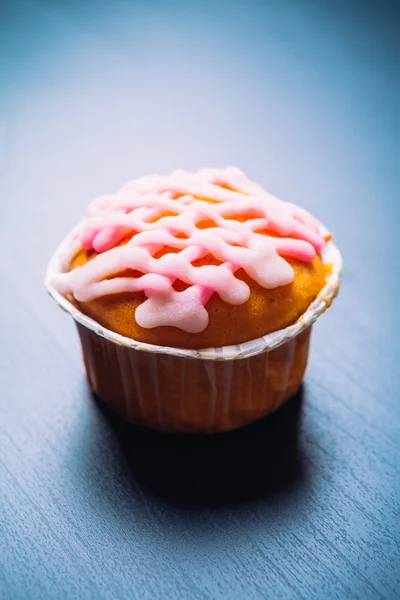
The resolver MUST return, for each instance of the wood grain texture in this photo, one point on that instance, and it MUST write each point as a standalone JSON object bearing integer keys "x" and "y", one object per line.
{"x": 304, "y": 96}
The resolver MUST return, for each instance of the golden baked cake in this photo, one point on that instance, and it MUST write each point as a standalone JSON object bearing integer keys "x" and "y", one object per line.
{"x": 193, "y": 261}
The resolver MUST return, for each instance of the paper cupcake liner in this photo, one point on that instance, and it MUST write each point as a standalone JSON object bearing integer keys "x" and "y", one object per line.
{"x": 171, "y": 393}
{"x": 213, "y": 389}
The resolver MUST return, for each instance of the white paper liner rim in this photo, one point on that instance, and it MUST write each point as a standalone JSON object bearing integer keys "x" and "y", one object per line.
{"x": 330, "y": 256}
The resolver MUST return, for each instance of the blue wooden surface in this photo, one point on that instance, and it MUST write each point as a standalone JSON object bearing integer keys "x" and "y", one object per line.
{"x": 304, "y": 96}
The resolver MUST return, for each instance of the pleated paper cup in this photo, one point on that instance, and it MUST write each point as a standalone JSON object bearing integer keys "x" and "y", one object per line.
{"x": 203, "y": 391}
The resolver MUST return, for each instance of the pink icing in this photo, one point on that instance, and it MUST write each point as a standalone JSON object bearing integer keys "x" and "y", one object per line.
{"x": 138, "y": 209}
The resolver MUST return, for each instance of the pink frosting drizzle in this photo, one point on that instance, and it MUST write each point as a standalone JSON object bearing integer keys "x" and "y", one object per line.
{"x": 166, "y": 211}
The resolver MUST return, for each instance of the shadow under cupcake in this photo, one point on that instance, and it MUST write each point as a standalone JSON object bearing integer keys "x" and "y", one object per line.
{"x": 257, "y": 462}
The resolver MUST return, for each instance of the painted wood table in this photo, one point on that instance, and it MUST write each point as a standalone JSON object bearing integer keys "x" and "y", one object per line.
{"x": 304, "y": 96}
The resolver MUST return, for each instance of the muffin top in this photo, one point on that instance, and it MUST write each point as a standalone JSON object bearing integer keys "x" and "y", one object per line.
{"x": 194, "y": 260}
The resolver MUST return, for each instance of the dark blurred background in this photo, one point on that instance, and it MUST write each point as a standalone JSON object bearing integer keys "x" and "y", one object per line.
{"x": 301, "y": 94}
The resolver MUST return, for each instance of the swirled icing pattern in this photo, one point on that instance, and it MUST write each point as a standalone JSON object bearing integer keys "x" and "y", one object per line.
{"x": 218, "y": 212}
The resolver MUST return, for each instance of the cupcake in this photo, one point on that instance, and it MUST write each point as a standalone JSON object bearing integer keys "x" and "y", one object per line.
{"x": 194, "y": 296}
